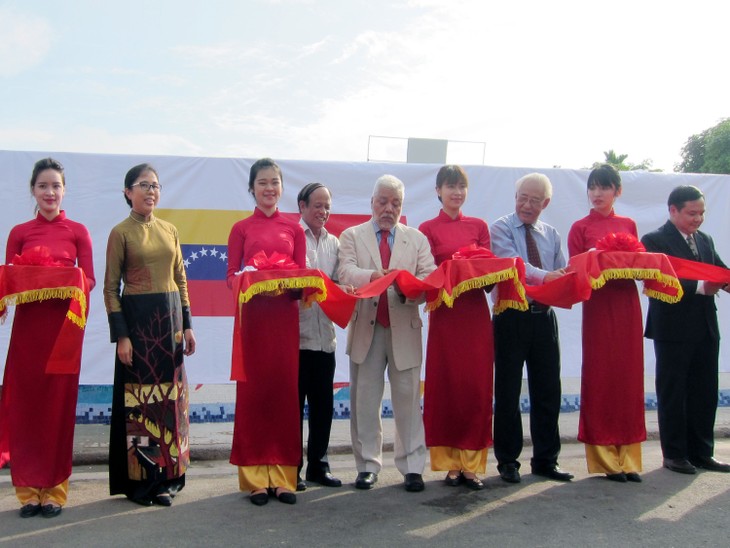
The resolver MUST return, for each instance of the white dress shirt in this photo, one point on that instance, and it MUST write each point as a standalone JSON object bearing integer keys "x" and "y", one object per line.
{"x": 316, "y": 330}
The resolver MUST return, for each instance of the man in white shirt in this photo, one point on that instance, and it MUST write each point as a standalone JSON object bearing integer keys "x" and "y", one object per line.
{"x": 528, "y": 339}
{"x": 317, "y": 338}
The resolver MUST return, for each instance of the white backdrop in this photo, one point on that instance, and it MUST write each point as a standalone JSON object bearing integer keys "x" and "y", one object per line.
{"x": 94, "y": 197}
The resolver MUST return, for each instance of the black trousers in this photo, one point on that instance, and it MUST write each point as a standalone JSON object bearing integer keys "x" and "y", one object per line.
{"x": 316, "y": 375}
{"x": 526, "y": 338}
{"x": 686, "y": 389}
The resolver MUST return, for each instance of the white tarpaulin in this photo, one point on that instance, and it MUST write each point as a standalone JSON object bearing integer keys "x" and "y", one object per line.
{"x": 215, "y": 190}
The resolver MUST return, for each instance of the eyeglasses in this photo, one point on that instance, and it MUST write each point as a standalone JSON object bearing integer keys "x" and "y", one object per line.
{"x": 534, "y": 202}
{"x": 145, "y": 186}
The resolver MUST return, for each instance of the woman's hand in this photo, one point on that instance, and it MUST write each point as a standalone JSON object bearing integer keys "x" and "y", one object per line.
{"x": 125, "y": 351}
{"x": 189, "y": 342}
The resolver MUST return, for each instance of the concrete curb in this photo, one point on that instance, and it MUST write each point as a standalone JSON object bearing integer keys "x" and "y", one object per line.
{"x": 216, "y": 451}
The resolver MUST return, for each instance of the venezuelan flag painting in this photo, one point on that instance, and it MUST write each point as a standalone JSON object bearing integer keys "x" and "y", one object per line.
{"x": 204, "y": 242}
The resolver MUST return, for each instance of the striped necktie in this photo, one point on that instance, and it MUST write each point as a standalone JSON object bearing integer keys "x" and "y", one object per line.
{"x": 533, "y": 255}
{"x": 693, "y": 246}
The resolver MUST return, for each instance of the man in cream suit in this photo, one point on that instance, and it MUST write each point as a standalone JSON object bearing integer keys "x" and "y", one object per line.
{"x": 385, "y": 332}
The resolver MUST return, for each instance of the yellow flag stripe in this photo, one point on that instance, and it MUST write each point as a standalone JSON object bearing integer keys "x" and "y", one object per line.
{"x": 202, "y": 226}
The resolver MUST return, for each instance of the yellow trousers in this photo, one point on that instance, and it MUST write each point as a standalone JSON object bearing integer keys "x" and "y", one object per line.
{"x": 613, "y": 459}
{"x": 43, "y": 496}
{"x": 451, "y": 458}
{"x": 263, "y": 476}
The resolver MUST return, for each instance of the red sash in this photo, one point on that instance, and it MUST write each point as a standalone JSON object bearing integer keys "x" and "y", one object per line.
{"x": 20, "y": 284}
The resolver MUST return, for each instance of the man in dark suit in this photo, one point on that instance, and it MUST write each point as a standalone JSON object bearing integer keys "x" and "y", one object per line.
{"x": 686, "y": 341}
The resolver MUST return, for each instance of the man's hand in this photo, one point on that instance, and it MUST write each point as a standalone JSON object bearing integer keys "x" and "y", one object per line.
{"x": 554, "y": 275}
{"x": 378, "y": 274}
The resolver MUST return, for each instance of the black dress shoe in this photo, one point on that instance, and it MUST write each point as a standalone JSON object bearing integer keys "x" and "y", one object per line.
{"x": 553, "y": 473}
{"x": 325, "y": 478}
{"x": 413, "y": 483}
{"x": 682, "y": 466}
{"x": 633, "y": 476}
{"x": 30, "y": 510}
{"x": 453, "y": 481}
{"x": 142, "y": 501}
{"x": 301, "y": 486}
{"x": 509, "y": 473}
{"x": 620, "y": 477}
{"x": 163, "y": 499}
{"x": 366, "y": 480}
{"x": 710, "y": 463}
{"x": 50, "y": 511}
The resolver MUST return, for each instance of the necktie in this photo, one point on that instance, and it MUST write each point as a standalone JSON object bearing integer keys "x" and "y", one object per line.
{"x": 533, "y": 255}
{"x": 693, "y": 246}
{"x": 382, "y": 314}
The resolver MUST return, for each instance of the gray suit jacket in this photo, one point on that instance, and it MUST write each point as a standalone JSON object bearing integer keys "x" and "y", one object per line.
{"x": 359, "y": 256}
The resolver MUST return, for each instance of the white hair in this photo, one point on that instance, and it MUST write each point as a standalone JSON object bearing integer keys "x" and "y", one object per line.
{"x": 390, "y": 182}
{"x": 539, "y": 178}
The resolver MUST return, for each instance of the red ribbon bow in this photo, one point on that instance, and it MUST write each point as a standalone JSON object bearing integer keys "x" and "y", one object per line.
{"x": 36, "y": 256}
{"x": 620, "y": 242}
{"x": 277, "y": 261}
{"x": 472, "y": 251}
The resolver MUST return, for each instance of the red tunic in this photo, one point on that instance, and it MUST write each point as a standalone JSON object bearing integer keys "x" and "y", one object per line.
{"x": 612, "y": 379}
{"x": 266, "y": 427}
{"x": 38, "y": 410}
{"x": 457, "y": 407}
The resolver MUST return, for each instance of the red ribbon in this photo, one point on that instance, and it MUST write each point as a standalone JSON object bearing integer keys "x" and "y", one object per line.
{"x": 595, "y": 267}
{"x": 472, "y": 263}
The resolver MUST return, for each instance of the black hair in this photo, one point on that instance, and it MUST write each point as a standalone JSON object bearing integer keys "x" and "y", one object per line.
{"x": 44, "y": 164}
{"x": 605, "y": 176}
{"x": 258, "y": 165}
{"x": 683, "y": 194}
{"x": 308, "y": 190}
{"x": 451, "y": 174}
{"x": 133, "y": 174}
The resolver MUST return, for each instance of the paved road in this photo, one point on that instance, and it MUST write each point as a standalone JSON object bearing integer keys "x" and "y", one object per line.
{"x": 668, "y": 509}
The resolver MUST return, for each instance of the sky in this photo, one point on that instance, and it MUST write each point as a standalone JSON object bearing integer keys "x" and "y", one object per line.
{"x": 522, "y": 84}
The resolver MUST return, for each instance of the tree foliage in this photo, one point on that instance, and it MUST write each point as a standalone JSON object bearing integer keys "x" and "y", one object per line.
{"x": 707, "y": 152}
{"x": 619, "y": 162}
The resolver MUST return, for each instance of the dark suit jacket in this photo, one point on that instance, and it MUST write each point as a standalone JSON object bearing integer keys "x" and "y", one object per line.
{"x": 695, "y": 316}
